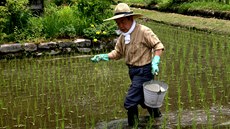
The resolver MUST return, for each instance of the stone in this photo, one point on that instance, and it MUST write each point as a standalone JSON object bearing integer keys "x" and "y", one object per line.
{"x": 53, "y": 52}
{"x": 82, "y": 43}
{"x": 225, "y": 124}
{"x": 30, "y": 47}
{"x": 83, "y": 46}
{"x": 8, "y": 48}
{"x": 38, "y": 54}
{"x": 67, "y": 50}
{"x": 64, "y": 44}
{"x": 49, "y": 45}
{"x": 84, "y": 50}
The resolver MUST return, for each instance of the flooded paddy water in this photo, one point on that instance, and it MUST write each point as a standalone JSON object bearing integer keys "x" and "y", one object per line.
{"x": 72, "y": 92}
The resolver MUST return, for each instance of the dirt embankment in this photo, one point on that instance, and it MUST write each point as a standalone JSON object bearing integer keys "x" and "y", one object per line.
{"x": 209, "y": 13}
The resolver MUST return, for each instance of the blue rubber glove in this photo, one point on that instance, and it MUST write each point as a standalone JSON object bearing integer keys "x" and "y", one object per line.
{"x": 155, "y": 62}
{"x": 100, "y": 57}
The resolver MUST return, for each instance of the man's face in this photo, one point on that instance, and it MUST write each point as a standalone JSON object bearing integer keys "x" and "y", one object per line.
{"x": 124, "y": 23}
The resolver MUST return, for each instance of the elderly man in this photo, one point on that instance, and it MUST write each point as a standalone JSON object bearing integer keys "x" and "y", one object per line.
{"x": 141, "y": 49}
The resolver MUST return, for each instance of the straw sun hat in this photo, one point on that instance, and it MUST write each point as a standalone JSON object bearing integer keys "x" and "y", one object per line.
{"x": 123, "y": 10}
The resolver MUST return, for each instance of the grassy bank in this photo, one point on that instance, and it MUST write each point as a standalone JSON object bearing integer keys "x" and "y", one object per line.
{"x": 191, "y": 5}
{"x": 213, "y": 25}
{"x": 192, "y": 22}
{"x": 214, "y": 9}
{"x": 205, "y": 6}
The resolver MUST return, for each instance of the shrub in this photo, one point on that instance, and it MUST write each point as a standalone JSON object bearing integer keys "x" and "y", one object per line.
{"x": 14, "y": 18}
{"x": 18, "y": 15}
{"x": 60, "y": 22}
{"x": 34, "y": 29}
{"x": 17, "y": 22}
{"x": 69, "y": 21}
{"x": 61, "y": 2}
{"x": 3, "y": 21}
{"x": 95, "y": 10}
{"x": 151, "y": 2}
{"x": 100, "y": 31}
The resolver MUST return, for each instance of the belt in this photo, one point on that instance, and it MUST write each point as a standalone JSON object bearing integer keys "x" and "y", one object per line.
{"x": 133, "y": 66}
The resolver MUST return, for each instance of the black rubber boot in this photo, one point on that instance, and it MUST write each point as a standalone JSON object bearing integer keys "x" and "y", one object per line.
{"x": 155, "y": 115}
{"x": 133, "y": 116}
{"x": 154, "y": 112}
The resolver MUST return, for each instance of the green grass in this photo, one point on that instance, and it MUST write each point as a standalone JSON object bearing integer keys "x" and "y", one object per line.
{"x": 198, "y": 5}
{"x": 131, "y": 1}
{"x": 205, "y": 6}
{"x": 190, "y": 22}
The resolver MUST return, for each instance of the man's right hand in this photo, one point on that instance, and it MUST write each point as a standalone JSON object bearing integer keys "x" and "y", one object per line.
{"x": 100, "y": 57}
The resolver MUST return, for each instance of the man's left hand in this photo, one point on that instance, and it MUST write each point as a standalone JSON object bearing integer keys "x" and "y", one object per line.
{"x": 155, "y": 62}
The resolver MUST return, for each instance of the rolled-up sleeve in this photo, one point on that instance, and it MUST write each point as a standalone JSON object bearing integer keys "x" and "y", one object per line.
{"x": 152, "y": 40}
{"x": 118, "y": 50}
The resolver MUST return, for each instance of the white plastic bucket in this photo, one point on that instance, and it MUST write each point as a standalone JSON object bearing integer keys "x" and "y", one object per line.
{"x": 154, "y": 92}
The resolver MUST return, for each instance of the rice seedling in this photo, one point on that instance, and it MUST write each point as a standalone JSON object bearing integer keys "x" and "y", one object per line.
{"x": 65, "y": 91}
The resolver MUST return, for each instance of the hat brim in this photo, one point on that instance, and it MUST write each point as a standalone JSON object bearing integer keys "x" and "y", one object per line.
{"x": 135, "y": 15}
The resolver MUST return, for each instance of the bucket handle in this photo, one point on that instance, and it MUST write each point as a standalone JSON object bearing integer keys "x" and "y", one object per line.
{"x": 156, "y": 78}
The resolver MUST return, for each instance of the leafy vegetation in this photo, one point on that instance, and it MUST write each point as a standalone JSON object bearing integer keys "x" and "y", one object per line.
{"x": 166, "y": 5}
{"x": 100, "y": 32}
{"x": 205, "y": 6}
{"x": 73, "y": 18}
{"x": 14, "y": 19}
{"x": 18, "y": 24}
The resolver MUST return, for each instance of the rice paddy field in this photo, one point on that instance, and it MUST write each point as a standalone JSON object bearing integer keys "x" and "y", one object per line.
{"x": 71, "y": 92}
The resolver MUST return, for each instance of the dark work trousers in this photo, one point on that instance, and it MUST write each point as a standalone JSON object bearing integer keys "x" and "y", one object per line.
{"x": 135, "y": 95}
